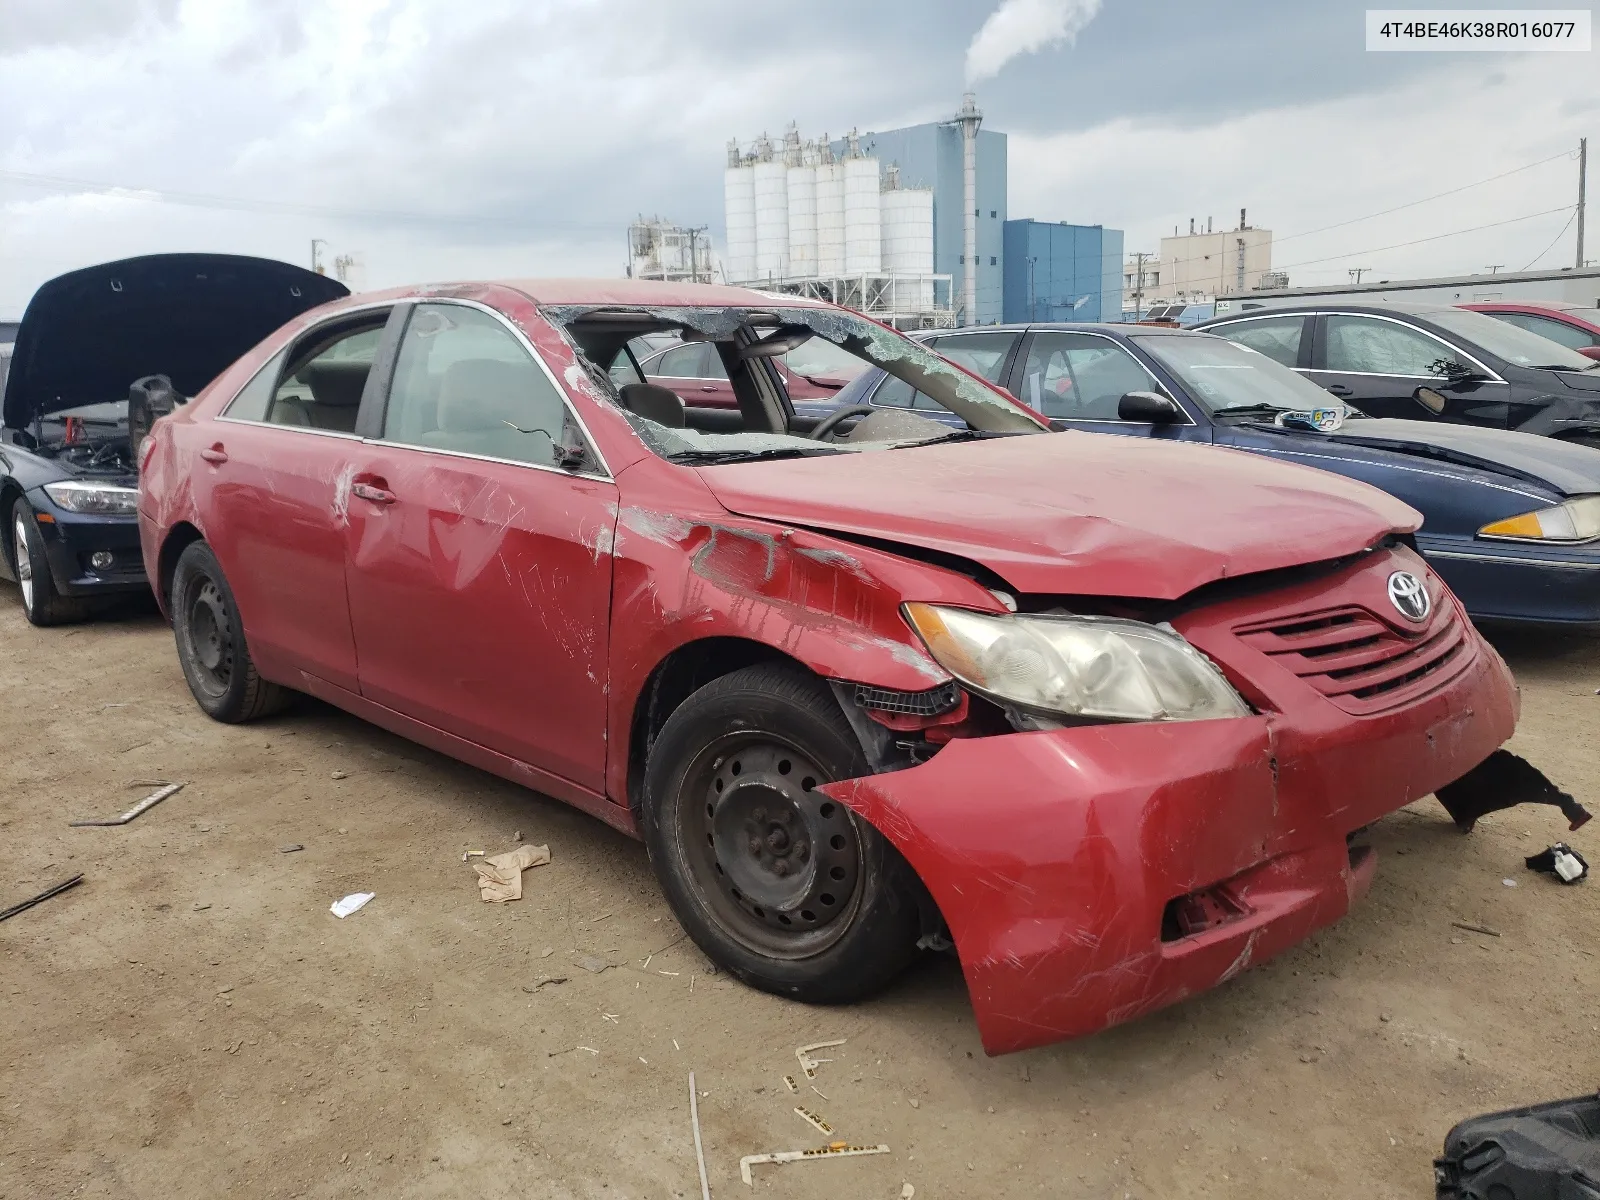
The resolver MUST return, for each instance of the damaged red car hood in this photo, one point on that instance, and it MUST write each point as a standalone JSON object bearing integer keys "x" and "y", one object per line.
{"x": 1077, "y": 513}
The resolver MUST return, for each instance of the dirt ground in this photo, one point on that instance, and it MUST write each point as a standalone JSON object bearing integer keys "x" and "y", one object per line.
{"x": 191, "y": 1020}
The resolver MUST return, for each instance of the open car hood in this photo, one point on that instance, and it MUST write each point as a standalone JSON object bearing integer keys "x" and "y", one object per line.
{"x": 87, "y": 335}
{"x": 1567, "y": 467}
{"x": 1077, "y": 513}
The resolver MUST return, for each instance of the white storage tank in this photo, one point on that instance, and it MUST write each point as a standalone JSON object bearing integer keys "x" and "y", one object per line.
{"x": 772, "y": 214}
{"x": 739, "y": 216}
{"x": 908, "y": 246}
{"x": 863, "y": 224}
{"x": 830, "y": 218}
{"x": 802, "y": 189}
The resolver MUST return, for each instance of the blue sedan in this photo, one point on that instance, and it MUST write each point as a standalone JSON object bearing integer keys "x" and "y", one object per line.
{"x": 1511, "y": 520}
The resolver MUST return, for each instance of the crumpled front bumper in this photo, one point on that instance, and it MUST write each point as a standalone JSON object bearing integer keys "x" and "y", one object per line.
{"x": 1053, "y": 856}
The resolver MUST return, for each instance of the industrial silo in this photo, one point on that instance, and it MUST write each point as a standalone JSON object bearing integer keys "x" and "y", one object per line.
{"x": 830, "y": 211}
{"x": 772, "y": 214}
{"x": 739, "y": 214}
{"x": 802, "y": 187}
{"x": 908, "y": 242}
{"x": 863, "y": 224}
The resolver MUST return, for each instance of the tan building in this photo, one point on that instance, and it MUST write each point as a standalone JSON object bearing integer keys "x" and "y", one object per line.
{"x": 1200, "y": 265}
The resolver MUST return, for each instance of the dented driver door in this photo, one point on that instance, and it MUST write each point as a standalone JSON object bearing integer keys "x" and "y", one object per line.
{"x": 480, "y": 572}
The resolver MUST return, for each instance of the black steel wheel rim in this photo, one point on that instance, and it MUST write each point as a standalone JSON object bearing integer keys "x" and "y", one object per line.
{"x": 209, "y": 634}
{"x": 776, "y": 862}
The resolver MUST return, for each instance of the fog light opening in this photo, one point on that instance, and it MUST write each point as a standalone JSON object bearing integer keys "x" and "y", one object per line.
{"x": 101, "y": 560}
{"x": 1199, "y": 911}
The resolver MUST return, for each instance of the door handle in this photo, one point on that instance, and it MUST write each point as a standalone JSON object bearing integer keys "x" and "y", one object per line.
{"x": 376, "y": 495}
{"x": 215, "y": 454}
{"x": 1339, "y": 389}
{"x": 708, "y": 387}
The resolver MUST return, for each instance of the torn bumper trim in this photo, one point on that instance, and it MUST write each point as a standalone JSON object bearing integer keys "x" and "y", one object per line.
{"x": 1054, "y": 856}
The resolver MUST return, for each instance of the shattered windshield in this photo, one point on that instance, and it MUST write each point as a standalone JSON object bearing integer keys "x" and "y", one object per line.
{"x": 1227, "y": 377}
{"x": 751, "y": 415}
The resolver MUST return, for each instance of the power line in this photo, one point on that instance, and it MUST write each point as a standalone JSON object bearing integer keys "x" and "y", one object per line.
{"x": 1555, "y": 239}
{"x": 1434, "y": 238}
{"x": 241, "y": 204}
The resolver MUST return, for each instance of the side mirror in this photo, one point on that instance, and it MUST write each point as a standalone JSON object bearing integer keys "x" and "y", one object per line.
{"x": 1429, "y": 399}
{"x": 1147, "y": 408}
{"x": 1590, "y": 351}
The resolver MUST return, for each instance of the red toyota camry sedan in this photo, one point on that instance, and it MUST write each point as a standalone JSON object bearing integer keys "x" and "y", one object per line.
{"x": 1108, "y": 715}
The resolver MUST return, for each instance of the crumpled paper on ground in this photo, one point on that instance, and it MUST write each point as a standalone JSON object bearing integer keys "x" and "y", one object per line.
{"x": 500, "y": 877}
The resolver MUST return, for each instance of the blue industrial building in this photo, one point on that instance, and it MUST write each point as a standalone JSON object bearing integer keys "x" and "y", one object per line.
{"x": 1060, "y": 272}
{"x": 929, "y": 156}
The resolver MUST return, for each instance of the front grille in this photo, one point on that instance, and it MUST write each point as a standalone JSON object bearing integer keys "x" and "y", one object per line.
{"x": 930, "y": 703}
{"x": 1361, "y": 662}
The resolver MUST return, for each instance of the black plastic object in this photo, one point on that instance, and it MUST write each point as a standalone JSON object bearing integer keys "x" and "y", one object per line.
{"x": 1545, "y": 861}
{"x": 1542, "y": 1152}
{"x": 1503, "y": 781}
{"x": 148, "y": 399}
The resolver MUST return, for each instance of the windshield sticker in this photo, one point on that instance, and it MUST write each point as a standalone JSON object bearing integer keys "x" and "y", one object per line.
{"x": 1318, "y": 420}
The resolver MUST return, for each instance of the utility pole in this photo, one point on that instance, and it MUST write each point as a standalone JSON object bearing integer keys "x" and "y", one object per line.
{"x": 1494, "y": 268}
{"x": 1583, "y": 180}
{"x": 316, "y": 259}
{"x": 1033, "y": 304}
{"x": 1357, "y": 272}
{"x": 1138, "y": 286}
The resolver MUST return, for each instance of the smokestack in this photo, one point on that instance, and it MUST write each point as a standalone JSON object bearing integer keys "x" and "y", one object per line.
{"x": 1242, "y": 225}
{"x": 1191, "y": 227}
{"x": 1208, "y": 224}
{"x": 969, "y": 118}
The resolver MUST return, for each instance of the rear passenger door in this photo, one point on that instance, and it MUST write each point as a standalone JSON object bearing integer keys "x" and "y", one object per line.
{"x": 274, "y": 481}
{"x": 479, "y": 570}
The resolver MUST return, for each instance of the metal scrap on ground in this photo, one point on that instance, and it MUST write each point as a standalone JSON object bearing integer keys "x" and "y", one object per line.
{"x": 149, "y": 802}
{"x": 808, "y": 1064}
{"x": 699, "y": 1151}
{"x": 814, "y": 1120}
{"x": 354, "y": 902}
{"x": 831, "y": 1150}
{"x": 53, "y": 890}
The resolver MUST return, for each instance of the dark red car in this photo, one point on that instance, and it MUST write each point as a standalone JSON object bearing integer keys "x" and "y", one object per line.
{"x": 694, "y": 371}
{"x": 1573, "y": 325}
{"x": 1106, "y": 714}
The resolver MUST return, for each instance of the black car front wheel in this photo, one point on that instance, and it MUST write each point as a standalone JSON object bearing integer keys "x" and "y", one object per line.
{"x": 211, "y": 644}
{"x": 786, "y": 888}
{"x": 42, "y": 604}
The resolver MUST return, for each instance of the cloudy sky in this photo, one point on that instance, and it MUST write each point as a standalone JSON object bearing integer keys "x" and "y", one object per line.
{"x": 517, "y": 137}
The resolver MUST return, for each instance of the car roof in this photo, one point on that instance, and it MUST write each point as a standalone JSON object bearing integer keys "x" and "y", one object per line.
{"x": 1121, "y": 327}
{"x": 632, "y": 293}
{"x": 1408, "y": 308}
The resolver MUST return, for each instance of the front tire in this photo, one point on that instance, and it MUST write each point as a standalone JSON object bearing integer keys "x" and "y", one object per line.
{"x": 42, "y": 604}
{"x": 211, "y": 644}
{"x": 785, "y": 888}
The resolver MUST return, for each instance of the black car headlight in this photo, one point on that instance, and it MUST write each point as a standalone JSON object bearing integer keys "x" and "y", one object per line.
{"x": 102, "y": 499}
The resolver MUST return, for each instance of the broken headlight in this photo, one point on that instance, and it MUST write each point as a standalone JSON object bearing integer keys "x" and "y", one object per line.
{"x": 102, "y": 499}
{"x": 1575, "y": 521}
{"x": 1090, "y": 668}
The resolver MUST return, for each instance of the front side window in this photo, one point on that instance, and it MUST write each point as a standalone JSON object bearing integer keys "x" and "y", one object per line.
{"x": 1079, "y": 377}
{"x": 322, "y": 385}
{"x": 464, "y": 382}
{"x": 1276, "y": 337}
{"x": 693, "y": 360}
{"x": 1367, "y": 346}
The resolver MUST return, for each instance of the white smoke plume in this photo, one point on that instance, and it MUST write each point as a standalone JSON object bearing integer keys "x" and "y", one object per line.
{"x": 1022, "y": 27}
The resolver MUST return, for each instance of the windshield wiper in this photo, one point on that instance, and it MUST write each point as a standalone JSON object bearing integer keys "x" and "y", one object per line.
{"x": 701, "y": 458}
{"x": 1252, "y": 409}
{"x": 957, "y": 435}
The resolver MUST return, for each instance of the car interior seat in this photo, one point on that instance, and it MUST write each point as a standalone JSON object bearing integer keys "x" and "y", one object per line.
{"x": 655, "y": 403}
{"x": 336, "y": 389}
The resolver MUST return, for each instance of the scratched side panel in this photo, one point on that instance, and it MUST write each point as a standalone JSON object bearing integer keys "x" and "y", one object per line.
{"x": 481, "y": 601}
{"x": 687, "y": 570}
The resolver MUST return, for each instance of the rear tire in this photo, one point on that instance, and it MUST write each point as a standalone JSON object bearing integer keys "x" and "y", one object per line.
{"x": 42, "y": 604}
{"x": 211, "y": 644}
{"x": 786, "y": 889}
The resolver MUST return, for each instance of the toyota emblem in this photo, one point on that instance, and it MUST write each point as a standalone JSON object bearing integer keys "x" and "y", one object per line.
{"x": 1409, "y": 595}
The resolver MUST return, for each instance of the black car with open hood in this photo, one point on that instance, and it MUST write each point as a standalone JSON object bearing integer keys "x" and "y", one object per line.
{"x": 98, "y": 346}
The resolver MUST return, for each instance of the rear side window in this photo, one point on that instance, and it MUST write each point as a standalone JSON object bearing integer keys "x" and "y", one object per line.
{"x": 693, "y": 360}
{"x": 1276, "y": 337}
{"x": 252, "y": 401}
{"x": 1568, "y": 335}
{"x": 464, "y": 382}
{"x": 322, "y": 385}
